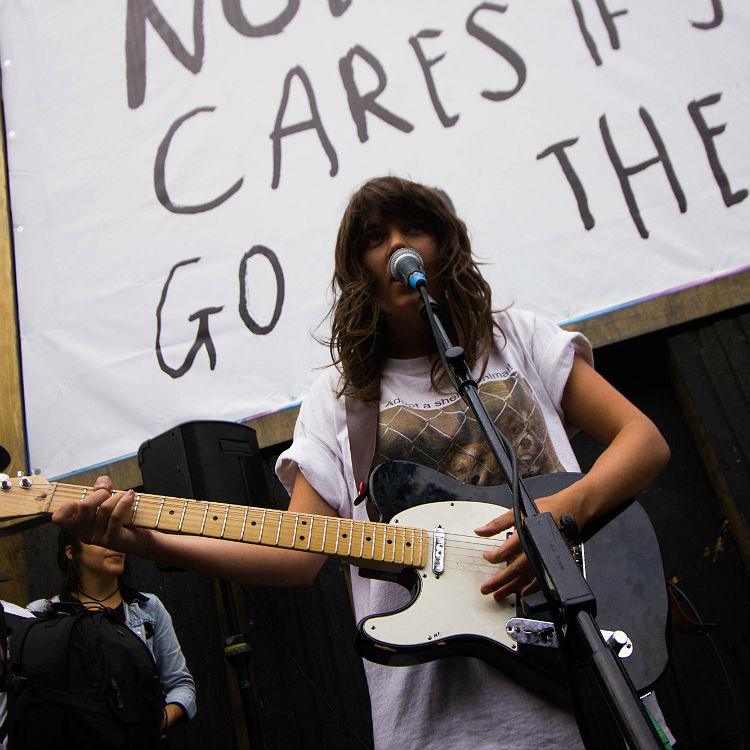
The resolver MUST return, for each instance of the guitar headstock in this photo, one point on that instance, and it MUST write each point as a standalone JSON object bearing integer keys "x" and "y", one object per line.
{"x": 22, "y": 496}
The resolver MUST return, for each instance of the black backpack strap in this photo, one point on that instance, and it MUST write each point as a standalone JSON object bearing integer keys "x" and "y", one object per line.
{"x": 57, "y": 639}
{"x": 362, "y": 426}
{"x": 3, "y": 647}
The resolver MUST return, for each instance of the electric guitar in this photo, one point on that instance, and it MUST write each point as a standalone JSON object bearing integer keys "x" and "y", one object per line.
{"x": 426, "y": 541}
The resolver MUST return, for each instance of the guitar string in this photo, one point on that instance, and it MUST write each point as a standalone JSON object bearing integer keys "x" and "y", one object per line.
{"x": 465, "y": 542}
{"x": 471, "y": 545}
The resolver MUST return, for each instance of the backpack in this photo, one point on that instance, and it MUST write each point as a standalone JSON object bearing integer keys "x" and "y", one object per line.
{"x": 77, "y": 678}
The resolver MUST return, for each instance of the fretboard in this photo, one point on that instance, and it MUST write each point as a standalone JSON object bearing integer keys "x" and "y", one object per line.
{"x": 358, "y": 541}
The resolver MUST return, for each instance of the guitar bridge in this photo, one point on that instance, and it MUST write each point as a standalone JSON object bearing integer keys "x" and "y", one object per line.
{"x": 532, "y": 632}
{"x": 541, "y": 633}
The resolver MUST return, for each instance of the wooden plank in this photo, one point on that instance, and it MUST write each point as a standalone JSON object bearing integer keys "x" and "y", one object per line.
{"x": 668, "y": 310}
{"x": 710, "y": 373}
{"x": 12, "y": 435}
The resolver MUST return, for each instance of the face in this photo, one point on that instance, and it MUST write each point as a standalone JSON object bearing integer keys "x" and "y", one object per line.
{"x": 92, "y": 559}
{"x": 398, "y": 301}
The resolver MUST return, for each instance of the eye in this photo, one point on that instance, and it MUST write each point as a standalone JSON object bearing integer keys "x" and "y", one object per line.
{"x": 373, "y": 238}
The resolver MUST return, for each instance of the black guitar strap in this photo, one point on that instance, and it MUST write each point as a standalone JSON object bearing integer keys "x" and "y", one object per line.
{"x": 362, "y": 426}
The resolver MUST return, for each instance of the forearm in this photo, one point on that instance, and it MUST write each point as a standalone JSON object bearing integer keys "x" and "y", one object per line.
{"x": 102, "y": 518}
{"x": 629, "y": 464}
{"x": 250, "y": 564}
{"x": 173, "y": 712}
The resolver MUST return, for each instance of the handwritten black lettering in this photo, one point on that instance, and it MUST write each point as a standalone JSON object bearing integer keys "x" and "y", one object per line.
{"x": 426, "y": 66}
{"x": 608, "y": 20}
{"x": 247, "y": 319}
{"x": 502, "y": 49}
{"x": 558, "y": 149}
{"x": 624, "y": 173}
{"x": 202, "y": 337}
{"x": 235, "y": 16}
{"x": 338, "y": 7}
{"x": 160, "y": 185}
{"x": 707, "y": 135}
{"x": 715, "y": 21}
{"x": 314, "y": 123}
{"x": 140, "y": 11}
{"x": 360, "y": 103}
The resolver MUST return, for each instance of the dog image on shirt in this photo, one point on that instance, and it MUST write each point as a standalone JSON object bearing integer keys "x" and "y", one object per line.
{"x": 450, "y": 440}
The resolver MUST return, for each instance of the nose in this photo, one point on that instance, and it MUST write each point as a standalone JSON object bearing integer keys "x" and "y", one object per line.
{"x": 396, "y": 240}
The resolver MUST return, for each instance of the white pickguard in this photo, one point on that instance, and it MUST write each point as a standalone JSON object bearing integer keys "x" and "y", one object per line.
{"x": 450, "y": 604}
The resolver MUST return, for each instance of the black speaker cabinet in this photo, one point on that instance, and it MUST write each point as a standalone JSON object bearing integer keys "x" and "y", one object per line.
{"x": 205, "y": 460}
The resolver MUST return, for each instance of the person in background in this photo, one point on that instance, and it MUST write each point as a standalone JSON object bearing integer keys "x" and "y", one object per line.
{"x": 92, "y": 578}
{"x": 11, "y": 609}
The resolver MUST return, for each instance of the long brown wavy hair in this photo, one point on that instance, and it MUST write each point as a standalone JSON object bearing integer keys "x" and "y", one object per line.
{"x": 359, "y": 340}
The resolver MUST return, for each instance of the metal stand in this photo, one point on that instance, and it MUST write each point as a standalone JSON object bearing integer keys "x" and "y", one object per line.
{"x": 608, "y": 712}
{"x": 239, "y": 654}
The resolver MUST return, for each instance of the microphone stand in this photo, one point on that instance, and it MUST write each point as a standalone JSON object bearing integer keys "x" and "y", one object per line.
{"x": 608, "y": 712}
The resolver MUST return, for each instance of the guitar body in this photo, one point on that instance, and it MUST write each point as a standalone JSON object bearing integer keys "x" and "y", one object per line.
{"x": 447, "y": 615}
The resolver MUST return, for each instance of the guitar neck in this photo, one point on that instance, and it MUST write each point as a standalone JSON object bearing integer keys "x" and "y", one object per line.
{"x": 359, "y": 542}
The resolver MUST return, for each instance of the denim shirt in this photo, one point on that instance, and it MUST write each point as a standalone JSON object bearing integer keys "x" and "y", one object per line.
{"x": 148, "y": 618}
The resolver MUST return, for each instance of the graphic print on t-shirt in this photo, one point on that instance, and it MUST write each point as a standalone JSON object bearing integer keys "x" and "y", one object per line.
{"x": 449, "y": 439}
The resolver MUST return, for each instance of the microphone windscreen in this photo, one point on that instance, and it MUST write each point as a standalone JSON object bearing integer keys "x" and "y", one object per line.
{"x": 404, "y": 262}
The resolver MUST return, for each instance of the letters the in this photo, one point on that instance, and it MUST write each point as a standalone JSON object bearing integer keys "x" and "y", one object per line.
{"x": 624, "y": 173}
{"x": 707, "y": 135}
{"x": 558, "y": 149}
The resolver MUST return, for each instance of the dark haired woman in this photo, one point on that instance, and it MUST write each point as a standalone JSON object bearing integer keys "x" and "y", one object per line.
{"x": 92, "y": 578}
{"x": 539, "y": 385}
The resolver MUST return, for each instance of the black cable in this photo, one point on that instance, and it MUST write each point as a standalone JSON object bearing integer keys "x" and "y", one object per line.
{"x": 735, "y": 703}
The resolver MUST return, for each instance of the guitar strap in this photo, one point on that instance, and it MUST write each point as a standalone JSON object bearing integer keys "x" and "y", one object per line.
{"x": 362, "y": 426}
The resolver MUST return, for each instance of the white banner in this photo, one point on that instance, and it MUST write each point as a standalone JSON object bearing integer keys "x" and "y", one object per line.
{"x": 177, "y": 171}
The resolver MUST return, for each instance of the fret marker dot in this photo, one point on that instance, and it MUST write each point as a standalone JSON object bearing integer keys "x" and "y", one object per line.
{"x": 253, "y": 523}
{"x": 302, "y": 538}
{"x": 171, "y": 512}
{"x": 343, "y": 536}
{"x": 368, "y": 538}
{"x": 390, "y": 541}
{"x": 216, "y": 518}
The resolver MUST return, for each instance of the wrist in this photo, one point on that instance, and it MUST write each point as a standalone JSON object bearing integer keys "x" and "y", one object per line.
{"x": 574, "y": 501}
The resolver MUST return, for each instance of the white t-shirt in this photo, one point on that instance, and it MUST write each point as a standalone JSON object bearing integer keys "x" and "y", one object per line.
{"x": 454, "y": 702}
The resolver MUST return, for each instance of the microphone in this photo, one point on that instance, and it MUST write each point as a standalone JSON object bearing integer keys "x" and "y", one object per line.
{"x": 406, "y": 265}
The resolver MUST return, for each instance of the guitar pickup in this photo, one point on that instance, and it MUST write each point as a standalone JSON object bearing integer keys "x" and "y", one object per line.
{"x": 438, "y": 552}
{"x": 541, "y": 633}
